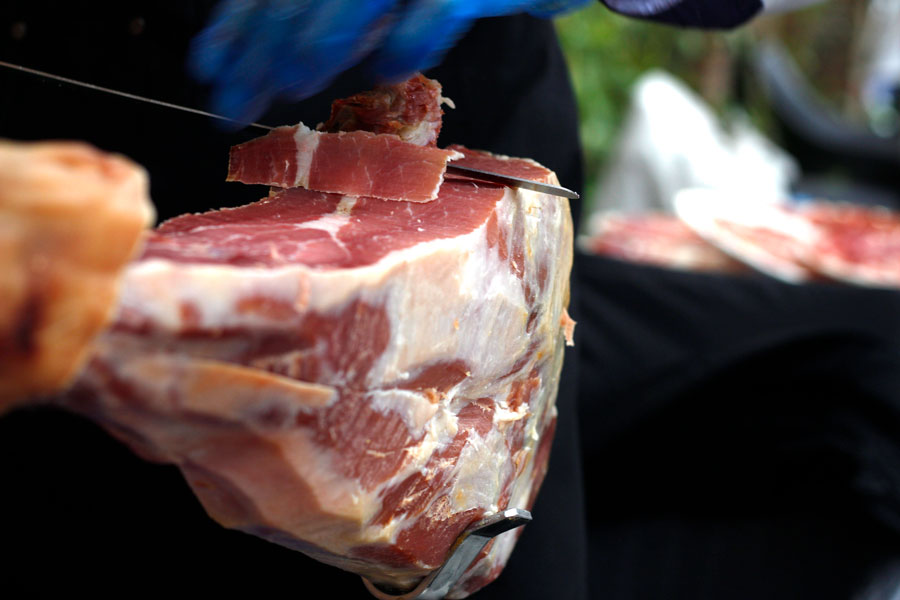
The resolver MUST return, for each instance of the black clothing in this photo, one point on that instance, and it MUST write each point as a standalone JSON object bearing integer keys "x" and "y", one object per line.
{"x": 741, "y": 436}
{"x": 709, "y": 14}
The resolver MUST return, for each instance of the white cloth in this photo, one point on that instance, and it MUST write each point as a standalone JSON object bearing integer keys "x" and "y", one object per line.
{"x": 671, "y": 140}
{"x": 770, "y": 6}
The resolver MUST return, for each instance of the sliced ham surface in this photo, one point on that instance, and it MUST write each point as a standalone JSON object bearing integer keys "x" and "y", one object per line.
{"x": 322, "y": 231}
{"x": 353, "y": 163}
{"x": 355, "y": 378}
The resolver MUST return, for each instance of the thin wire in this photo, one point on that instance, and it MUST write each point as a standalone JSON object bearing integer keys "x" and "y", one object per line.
{"x": 91, "y": 86}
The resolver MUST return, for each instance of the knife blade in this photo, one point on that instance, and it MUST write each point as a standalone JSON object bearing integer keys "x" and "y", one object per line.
{"x": 510, "y": 181}
{"x": 507, "y": 180}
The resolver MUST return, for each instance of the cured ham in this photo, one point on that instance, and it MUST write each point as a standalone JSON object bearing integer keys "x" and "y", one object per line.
{"x": 380, "y": 143}
{"x": 71, "y": 218}
{"x": 354, "y": 378}
{"x": 801, "y": 242}
{"x": 354, "y": 163}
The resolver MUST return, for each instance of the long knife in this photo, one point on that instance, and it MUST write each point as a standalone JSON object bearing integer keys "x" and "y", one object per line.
{"x": 510, "y": 181}
{"x": 506, "y": 180}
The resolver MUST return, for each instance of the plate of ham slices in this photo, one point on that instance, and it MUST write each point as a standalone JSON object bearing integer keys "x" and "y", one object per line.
{"x": 799, "y": 241}
{"x": 796, "y": 242}
{"x": 655, "y": 238}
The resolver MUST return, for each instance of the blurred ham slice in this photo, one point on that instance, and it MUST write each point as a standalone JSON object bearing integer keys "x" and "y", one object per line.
{"x": 71, "y": 218}
{"x": 767, "y": 237}
{"x": 800, "y": 242}
{"x": 655, "y": 239}
{"x": 855, "y": 244}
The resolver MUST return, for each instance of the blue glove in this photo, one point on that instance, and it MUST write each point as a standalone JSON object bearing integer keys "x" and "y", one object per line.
{"x": 255, "y": 51}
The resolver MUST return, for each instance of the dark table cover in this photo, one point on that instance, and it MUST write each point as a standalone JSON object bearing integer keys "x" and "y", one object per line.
{"x": 741, "y": 436}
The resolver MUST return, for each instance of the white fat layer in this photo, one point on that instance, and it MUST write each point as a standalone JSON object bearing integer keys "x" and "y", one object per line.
{"x": 412, "y": 407}
{"x": 469, "y": 304}
{"x": 337, "y": 494}
{"x": 332, "y": 223}
{"x": 439, "y": 433}
{"x": 437, "y": 187}
{"x": 444, "y": 310}
{"x": 307, "y": 141}
{"x": 483, "y": 467}
{"x": 447, "y": 299}
{"x": 419, "y": 134}
{"x": 502, "y": 413}
{"x": 345, "y": 206}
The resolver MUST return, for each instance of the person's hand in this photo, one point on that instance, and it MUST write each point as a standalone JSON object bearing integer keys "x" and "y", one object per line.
{"x": 254, "y": 51}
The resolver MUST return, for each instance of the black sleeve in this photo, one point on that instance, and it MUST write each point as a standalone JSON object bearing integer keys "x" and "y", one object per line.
{"x": 708, "y": 14}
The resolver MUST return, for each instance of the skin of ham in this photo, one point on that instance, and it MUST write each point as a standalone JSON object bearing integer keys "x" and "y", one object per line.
{"x": 353, "y": 378}
{"x": 352, "y": 163}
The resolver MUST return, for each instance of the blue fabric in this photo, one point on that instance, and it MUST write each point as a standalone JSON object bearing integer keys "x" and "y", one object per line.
{"x": 254, "y": 51}
{"x": 711, "y": 14}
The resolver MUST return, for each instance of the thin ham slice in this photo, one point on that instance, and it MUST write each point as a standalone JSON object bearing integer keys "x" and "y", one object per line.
{"x": 353, "y": 163}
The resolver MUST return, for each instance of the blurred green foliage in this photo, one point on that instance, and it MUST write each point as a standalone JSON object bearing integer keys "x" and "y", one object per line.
{"x": 607, "y": 53}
